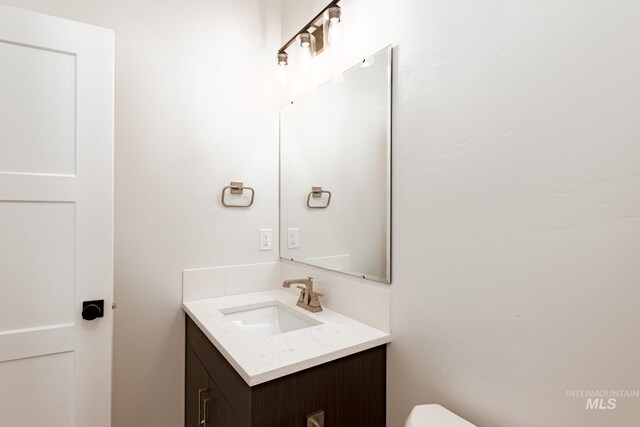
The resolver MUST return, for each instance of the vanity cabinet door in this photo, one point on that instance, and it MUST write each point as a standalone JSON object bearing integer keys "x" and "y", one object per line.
{"x": 204, "y": 405}
{"x": 218, "y": 412}
{"x": 196, "y": 390}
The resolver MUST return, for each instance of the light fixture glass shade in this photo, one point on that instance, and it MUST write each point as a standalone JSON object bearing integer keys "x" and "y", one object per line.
{"x": 305, "y": 40}
{"x": 335, "y": 14}
{"x": 283, "y": 58}
{"x": 333, "y": 34}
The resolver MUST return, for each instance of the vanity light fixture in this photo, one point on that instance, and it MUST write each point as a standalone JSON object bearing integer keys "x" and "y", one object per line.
{"x": 335, "y": 13}
{"x": 283, "y": 58}
{"x": 312, "y": 35}
{"x": 305, "y": 40}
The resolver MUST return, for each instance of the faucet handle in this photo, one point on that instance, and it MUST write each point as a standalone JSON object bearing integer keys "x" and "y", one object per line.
{"x": 301, "y": 287}
{"x": 318, "y": 294}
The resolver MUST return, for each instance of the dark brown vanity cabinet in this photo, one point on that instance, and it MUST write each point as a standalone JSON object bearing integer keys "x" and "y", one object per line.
{"x": 204, "y": 404}
{"x": 351, "y": 391}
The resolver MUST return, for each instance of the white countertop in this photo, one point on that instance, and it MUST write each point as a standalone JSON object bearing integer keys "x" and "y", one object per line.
{"x": 263, "y": 359}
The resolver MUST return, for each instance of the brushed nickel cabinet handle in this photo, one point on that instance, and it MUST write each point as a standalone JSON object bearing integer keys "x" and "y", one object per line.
{"x": 206, "y": 415}
{"x": 200, "y": 391}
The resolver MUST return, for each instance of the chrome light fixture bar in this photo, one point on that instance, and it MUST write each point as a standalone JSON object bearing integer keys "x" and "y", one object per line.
{"x": 311, "y": 36}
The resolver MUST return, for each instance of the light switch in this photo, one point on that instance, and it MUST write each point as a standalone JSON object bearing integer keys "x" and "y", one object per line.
{"x": 293, "y": 238}
{"x": 265, "y": 239}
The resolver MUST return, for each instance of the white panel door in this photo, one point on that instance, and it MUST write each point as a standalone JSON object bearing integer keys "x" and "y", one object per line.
{"x": 56, "y": 220}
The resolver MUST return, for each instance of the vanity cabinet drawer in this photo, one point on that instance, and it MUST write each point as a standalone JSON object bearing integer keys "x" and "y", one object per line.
{"x": 351, "y": 391}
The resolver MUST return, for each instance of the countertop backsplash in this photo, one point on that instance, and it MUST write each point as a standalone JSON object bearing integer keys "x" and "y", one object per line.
{"x": 359, "y": 299}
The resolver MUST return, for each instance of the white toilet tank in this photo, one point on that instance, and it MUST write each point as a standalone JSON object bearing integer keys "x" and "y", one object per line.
{"x": 434, "y": 416}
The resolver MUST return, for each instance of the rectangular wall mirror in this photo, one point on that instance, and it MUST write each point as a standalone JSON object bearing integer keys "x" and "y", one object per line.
{"x": 335, "y": 173}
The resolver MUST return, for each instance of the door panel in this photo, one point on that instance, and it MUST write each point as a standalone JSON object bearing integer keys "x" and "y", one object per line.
{"x": 36, "y": 386}
{"x": 37, "y": 264}
{"x": 41, "y": 84}
{"x": 56, "y": 220}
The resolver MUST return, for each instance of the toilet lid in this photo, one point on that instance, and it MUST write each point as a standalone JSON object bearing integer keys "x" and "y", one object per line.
{"x": 435, "y": 416}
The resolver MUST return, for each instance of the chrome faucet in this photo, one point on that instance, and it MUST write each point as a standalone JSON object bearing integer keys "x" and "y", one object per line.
{"x": 308, "y": 298}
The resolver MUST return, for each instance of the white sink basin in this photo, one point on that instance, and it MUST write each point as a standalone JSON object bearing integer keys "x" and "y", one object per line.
{"x": 268, "y": 319}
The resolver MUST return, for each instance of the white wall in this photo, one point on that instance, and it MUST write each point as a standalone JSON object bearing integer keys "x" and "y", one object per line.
{"x": 196, "y": 107}
{"x": 516, "y": 204}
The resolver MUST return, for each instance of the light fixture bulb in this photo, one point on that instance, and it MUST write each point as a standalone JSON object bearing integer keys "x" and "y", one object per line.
{"x": 283, "y": 58}
{"x": 333, "y": 36}
{"x": 305, "y": 40}
{"x": 335, "y": 14}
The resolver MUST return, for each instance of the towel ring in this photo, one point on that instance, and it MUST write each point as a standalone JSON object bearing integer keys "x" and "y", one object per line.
{"x": 318, "y": 192}
{"x": 237, "y": 188}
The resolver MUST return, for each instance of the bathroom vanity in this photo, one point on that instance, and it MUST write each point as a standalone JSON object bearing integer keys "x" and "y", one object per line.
{"x": 271, "y": 359}
{"x": 267, "y": 377}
